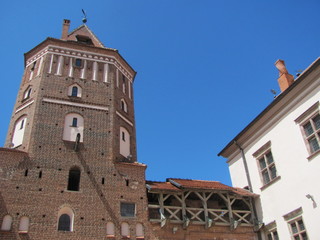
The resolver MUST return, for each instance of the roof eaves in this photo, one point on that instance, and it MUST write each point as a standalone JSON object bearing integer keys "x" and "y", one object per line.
{"x": 315, "y": 64}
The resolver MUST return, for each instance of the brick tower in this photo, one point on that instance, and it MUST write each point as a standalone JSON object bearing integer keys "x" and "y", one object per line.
{"x": 72, "y": 136}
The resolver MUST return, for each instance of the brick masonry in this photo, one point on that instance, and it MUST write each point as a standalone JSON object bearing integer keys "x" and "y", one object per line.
{"x": 34, "y": 175}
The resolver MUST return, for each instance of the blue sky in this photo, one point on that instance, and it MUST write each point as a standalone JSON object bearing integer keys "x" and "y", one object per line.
{"x": 205, "y": 68}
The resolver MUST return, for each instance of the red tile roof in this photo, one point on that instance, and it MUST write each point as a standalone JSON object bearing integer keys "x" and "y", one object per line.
{"x": 167, "y": 186}
{"x": 178, "y": 185}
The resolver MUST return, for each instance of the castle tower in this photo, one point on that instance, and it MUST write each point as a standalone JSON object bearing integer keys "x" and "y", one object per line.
{"x": 72, "y": 132}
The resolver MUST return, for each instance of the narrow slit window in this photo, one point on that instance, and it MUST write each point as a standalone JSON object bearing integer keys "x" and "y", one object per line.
{"x": 22, "y": 124}
{"x": 26, "y": 173}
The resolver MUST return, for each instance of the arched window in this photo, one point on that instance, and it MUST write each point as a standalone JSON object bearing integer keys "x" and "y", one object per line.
{"x": 139, "y": 231}
{"x": 18, "y": 133}
{"x": 24, "y": 224}
{"x": 74, "y": 90}
{"x": 124, "y": 106}
{"x": 65, "y": 219}
{"x": 73, "y": 125}
{"x": 64, "y": 222}
{"x": 6, "y": 223}
{"x": 27, "y": 93}
{"x": 124, "y": 142}
{"x": 74, "y": 179}
{"x": 125, "y": 231}
{"x": 110, "y": 229}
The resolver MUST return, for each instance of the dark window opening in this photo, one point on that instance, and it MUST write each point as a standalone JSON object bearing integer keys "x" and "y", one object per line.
{"x": 102, "y": 180}
{"x": 74, "y": 122}
{"x": 84, "y": 39}
{"x": 26, "y": 173}
{"x": 123, "y": 136}
{"x": 78, "y": 62}
{"x": 74, "y": 92}
{"x": 128, "y": 209}
{"x": 127, "y": 182}
{"x": 33, "y": 66}
{"x": 74, "y": 179}
{"x": 64, "y": 223}
{"x": 40, "y": 174}
{"x": 22, "y": 124}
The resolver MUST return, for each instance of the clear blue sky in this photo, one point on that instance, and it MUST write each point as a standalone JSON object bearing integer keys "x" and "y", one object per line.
{"x": 205, "y": 68}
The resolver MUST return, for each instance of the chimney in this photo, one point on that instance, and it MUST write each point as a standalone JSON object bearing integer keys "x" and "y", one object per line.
{"x": 65, "y": 29}
{"x": 285, "y": 79}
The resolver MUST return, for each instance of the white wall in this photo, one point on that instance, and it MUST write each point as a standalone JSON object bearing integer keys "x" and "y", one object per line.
{"x": 299, "y": 176}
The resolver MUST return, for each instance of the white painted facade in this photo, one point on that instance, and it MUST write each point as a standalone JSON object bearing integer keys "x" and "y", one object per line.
{"x": 279, "y": 129}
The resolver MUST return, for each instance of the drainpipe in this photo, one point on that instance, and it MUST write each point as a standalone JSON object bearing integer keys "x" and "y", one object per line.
{"x": 249, "y": 185}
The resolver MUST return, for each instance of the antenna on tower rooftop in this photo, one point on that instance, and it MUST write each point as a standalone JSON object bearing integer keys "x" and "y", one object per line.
{"x": 84, "y": 19}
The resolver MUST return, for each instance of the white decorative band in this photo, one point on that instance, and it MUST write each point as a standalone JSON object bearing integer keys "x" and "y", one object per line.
{"x": 89, "y": 56}
{"x": 126, "y": 120}
{"x": 68, "y": 103}
{"x": 24, "y": 106}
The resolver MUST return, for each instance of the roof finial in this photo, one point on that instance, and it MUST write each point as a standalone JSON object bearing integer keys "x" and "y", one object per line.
{"x": 84, "y": 19}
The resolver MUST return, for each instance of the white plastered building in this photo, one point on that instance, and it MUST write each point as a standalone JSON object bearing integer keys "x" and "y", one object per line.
{"x": 277, "y": 156}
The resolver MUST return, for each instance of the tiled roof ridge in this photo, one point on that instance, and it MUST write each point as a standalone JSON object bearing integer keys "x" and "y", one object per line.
{"x": 198, "y": 180}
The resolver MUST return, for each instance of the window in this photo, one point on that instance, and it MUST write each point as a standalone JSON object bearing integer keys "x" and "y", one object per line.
{"x": 19, "y": 130}
{"x": 65, "y": 219}
{"x": 124, "y": 105}
{"x": 124, "y": 142}
{"x": 74, "y": 92}
{"x": 312, "y": 133}
{"x": 24, "y": 224}
{"x": 273, "y": 235}
{"x": 309, "y": 123}
{"x": 74, "y": 122}
{"x": 78, "y": 62}
{"x": 73, "y": 126}
{"x": 110, "y": 229}
{"x": 125, "y": 231}
{"x": 298, "y": 231}
{"x": 139, "y": 231}
{"x": 123, "y": 84}
{"x": 74, "y": 179}
{"x": 27, "y": 93}
{"x": 84, "y": 39}
{"x": 267, "y": 167}
{"x": 127, "y": 209}
{"x": 6, "y": 223}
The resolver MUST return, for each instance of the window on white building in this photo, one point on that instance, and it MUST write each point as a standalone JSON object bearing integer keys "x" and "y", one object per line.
{"x": 273, "y": 235}
{"x": 309, "y": 122}
{"x": 127, "y": 209}
{"x": 266, "y": 164}
{"x": 267, "y": 167}
{"x": 312, "y": 133}
{"x": 6, "y": 223}
{"x": 298, "y": 230}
